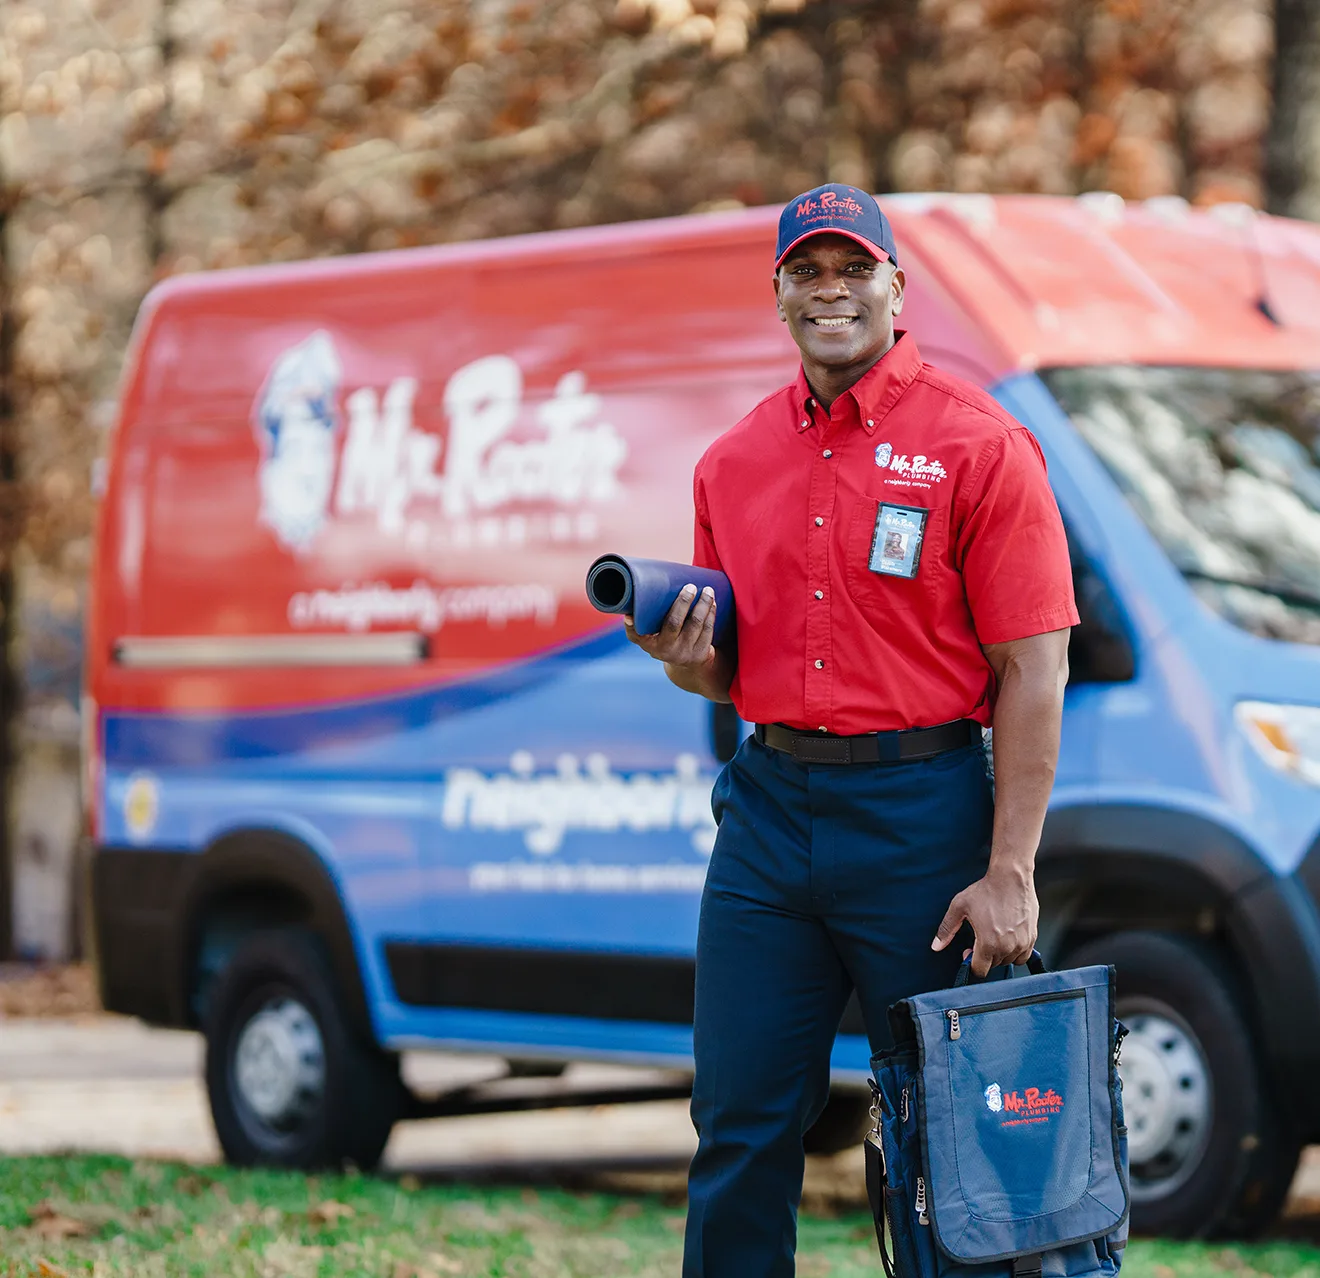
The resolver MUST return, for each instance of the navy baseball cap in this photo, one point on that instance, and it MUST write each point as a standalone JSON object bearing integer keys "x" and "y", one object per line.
{"x": 841, "y": 209}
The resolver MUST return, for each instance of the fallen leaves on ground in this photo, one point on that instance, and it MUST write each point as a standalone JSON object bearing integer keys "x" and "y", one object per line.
{"x": 330, "y": 1213}
{"x": 63, "y": 989}
{"x": 193, "y": 1186}
{"x": 433, "y": 1267}
{"x": 45, "y": 1219}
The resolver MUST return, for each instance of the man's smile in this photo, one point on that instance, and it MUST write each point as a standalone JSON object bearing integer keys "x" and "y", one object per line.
{"x": 832, "y": 321}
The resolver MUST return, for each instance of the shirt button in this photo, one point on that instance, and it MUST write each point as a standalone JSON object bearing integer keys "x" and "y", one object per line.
{"x": 805, "y": 424}
{"x": 828, "y": 453}
{"x": 869, "y": 422}
{"x": 822, "y": 728}
{"x": 819, "y": 521}
{"x": 820, "y": 665}
{"x": 820, "y": 594}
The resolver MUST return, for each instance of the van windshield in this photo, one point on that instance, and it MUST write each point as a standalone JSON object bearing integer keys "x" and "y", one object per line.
{"x": 1223, "y": 465}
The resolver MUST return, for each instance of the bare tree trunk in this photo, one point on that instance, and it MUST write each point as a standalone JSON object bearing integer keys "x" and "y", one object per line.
{"x": 9, "y": 522}
{"x": 1292, "y": 147}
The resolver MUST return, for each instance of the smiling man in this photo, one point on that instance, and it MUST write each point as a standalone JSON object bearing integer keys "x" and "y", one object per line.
{"x": 902, "y": 578}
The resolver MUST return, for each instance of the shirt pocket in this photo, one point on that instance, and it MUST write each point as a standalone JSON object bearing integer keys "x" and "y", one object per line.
{"x": 878, "y": 594}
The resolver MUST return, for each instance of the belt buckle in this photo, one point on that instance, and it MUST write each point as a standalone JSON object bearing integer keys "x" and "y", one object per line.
{"x": 809, "y": 749}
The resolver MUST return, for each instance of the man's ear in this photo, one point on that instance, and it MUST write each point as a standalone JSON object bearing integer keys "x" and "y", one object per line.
{"x": 779, "y": 301}
{"x": 897, "y": 284}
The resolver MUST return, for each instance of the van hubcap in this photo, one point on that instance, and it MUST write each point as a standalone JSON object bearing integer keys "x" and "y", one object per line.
{"x": 1167, "y": 1100}
{"x": 279, "y": 1064}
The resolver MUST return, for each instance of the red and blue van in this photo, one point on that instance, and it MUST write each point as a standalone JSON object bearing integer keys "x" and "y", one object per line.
{"x": 367, "y": 774}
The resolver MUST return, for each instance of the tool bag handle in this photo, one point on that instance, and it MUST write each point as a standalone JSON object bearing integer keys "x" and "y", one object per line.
{"x": 1035, "y": 965}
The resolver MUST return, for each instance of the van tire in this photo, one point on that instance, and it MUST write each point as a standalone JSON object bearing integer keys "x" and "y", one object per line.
{"x": 291, "y": 1083}
{"x": 841, "y": 1124}
{"x": 1236, "y": 1184}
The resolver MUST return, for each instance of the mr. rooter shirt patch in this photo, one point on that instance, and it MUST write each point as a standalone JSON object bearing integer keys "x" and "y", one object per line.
{"x": 874, "y": 548}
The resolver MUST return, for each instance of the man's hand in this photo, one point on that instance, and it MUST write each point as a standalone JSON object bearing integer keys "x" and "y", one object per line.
{"x": 684, "y": 639}
{"x": 683, "y": 643}
{"x": 1003, "y": 912}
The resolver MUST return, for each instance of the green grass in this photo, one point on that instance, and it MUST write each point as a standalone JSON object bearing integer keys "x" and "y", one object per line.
{"x": 108, "y": 1216}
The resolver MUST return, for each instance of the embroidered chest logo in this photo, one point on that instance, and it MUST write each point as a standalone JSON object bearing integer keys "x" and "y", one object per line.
{"x": 1028, "y": 1106}
{"x": 917, "y": 471}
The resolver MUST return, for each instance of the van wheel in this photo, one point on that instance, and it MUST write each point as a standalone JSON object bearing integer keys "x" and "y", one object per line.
{"x": 1209, "y": 1148}
{"x": 841, "y": 1125}
{"x": 291, "y": 1083}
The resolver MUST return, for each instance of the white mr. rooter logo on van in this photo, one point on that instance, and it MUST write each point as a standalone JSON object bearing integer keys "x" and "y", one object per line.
{"x": 392, "y": 471}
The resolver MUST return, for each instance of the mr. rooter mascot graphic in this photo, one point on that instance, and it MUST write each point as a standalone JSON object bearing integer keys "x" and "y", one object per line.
{"x": 296, "y": 422}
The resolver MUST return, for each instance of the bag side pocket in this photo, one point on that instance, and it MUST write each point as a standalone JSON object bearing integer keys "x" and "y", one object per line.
{"x": 903, "y": 1158}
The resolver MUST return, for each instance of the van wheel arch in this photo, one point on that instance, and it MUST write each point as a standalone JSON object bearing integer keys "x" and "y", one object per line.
{"x": 1087, "y": 893}
{"x": 251, "y": 879}
{"x": 1134, "y": 865}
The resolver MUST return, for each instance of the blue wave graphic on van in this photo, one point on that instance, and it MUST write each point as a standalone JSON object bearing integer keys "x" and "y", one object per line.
{"x": 193, "y": 740}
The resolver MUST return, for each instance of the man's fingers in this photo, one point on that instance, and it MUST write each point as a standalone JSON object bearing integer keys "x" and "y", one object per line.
{"x": 708, "y": 622}
{"x": 949, "y": 925}
{"x": 982, "y": 960}
{"x": 697, "y": 617}
{"x": 677, "y": 614}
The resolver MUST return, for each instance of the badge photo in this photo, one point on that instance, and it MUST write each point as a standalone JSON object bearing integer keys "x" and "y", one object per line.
{"x": 896, "y": 543}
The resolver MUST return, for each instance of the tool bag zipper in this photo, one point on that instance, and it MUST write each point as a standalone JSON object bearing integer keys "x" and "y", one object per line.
{"x": 955, "y": 1015}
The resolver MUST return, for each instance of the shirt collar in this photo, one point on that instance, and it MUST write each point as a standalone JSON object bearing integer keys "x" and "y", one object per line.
{"x": 878, "y": 390}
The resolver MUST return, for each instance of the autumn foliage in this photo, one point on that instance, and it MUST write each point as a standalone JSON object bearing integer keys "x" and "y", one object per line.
{"x": 142, "y": 138}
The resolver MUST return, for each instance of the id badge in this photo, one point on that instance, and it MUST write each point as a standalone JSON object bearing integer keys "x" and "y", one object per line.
{"x": 896, "y": 545}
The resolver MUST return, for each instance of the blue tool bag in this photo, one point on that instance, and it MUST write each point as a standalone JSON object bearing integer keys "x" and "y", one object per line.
{"x": 998, "y": 1148}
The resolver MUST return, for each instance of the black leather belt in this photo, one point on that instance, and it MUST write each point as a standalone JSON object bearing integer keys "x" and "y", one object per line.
{"x": 870, "y": 747}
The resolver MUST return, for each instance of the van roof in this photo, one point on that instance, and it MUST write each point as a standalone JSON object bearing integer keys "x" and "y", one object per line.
{"x": 1049, "y": 280}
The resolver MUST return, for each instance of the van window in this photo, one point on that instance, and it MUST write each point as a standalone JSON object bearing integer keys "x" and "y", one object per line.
{"x": 1223, "y": 465}
{"x": 1100, "y": 645}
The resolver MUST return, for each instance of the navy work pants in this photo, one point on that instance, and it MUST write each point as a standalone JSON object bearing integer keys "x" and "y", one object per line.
{"x": 824, "y": 878}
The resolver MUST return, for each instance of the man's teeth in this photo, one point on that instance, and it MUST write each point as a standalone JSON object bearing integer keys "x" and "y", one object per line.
{"x": 840, "y": 321}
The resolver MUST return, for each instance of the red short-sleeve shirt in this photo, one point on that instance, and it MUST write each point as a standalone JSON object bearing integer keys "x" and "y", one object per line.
{"x": 832, "y": 633}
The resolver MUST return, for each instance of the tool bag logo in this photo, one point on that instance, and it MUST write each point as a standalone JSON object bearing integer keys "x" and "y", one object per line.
{"x": 1032, "y": 1104}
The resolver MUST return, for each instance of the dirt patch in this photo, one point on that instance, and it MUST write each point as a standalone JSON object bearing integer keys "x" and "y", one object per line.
{"x": 57, "y": 989}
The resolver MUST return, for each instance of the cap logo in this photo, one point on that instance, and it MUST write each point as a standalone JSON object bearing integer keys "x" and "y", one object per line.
{"x": 830, "y": 204}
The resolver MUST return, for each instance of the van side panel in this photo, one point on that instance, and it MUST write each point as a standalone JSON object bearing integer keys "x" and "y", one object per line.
{"x": 435, "y": 455}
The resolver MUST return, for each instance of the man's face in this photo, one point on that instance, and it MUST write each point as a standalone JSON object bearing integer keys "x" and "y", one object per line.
{"x": 839, "y": 303}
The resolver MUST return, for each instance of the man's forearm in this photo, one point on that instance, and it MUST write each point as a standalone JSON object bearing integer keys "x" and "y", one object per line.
{"x": 1028, "y": 714}
{"x": 710, "y": 680}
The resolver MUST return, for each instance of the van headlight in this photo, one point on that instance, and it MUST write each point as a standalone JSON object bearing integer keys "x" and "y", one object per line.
{"x": 1286, "y": 737}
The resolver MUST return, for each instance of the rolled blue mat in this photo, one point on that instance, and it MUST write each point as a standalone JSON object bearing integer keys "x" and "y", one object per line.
{"x": 647, "y": 588}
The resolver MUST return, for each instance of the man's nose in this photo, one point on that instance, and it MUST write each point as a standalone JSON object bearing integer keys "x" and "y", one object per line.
{"x": 830, "y": 287}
